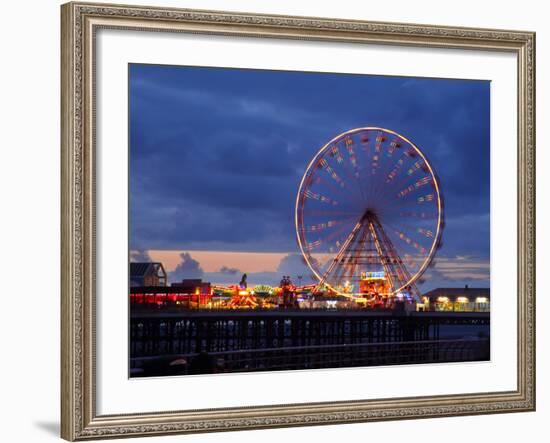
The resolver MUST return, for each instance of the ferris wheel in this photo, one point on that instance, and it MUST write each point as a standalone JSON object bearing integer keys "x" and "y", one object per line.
{"x": 369, "y": 210}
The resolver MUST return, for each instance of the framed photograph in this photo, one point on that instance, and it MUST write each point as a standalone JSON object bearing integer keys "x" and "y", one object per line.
{"x": 283, "y": 221}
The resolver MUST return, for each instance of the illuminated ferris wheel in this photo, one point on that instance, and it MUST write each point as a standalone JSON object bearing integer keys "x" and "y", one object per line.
{"x": 369, "y": 213}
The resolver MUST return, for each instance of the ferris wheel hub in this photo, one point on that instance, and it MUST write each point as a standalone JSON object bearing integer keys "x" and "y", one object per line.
{"x": 369, "y": 213}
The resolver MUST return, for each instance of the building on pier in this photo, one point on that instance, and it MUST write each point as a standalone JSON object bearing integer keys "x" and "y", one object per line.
{"x": 189, "y": 293}
{"x": 147, "y": 274}
{"x": 193, "y": 286}
{"x": 464, "y": 299}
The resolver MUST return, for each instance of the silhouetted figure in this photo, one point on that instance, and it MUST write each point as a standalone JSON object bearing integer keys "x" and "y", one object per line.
{"x": 242, "y": 283}
{"x": 288, "y": 294}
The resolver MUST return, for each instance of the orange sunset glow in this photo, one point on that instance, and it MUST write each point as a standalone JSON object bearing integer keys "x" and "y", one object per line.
{"x": 212, "y": 261}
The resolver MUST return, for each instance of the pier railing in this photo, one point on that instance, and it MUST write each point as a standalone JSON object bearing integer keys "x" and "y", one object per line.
{"x": 163, "y": 342}
{"x": 314, "y": 357}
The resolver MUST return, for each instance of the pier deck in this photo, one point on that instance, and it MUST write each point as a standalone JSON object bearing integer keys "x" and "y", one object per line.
{"x": 298, "y": 339}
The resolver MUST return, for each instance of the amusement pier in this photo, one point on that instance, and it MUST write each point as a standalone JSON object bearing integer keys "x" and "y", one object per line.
{"x": 193, "y": 327}
{"x": 369, "y": 219}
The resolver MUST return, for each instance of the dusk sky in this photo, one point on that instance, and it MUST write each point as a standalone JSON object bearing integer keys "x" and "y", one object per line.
{"x": 217, "y": 155}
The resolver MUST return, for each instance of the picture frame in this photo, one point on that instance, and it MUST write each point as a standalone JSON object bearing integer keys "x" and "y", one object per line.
{"x": 79, "y": 179}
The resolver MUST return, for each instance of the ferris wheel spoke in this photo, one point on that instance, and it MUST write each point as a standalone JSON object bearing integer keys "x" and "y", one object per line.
{"x": 424, "y": 242}
{"x": 421, "y": 215}
{"x": 320, "y": 197}
{"x": 394, "y": 146}
{"x": 420, "y": 201}
{"x": 335, "y": 197}
{"x": 375, "y": 163}
{"x": 314, "y": 212}
{"x": 379, "y": 186}
{"x": 405, "y": 180}
{"x": 408, "y": 155}
{"x": 324, "y": 164}
{"x": 421, "y": 182}
{"x": 343, "y": 192}
{"x": 401, "y": 183}
{"x": 370, "y": 179}
{"x": 352, "y": 174}
{"x": 422, "y": 231}
{"x": 325, "y": 225}
{"x": 328, "y": 239}
{"x": 406, "y": 236}
{"x": 390, "y": 176}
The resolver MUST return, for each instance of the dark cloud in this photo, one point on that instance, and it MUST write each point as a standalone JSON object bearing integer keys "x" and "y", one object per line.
{"x": 230, "y": 271}
{"x": 457, "y": 271}
{"x": 187, "y": 268}
{"x": 217, "y": 155}
{"x": 140, "y": 256}
{"x": 292, "y": 265}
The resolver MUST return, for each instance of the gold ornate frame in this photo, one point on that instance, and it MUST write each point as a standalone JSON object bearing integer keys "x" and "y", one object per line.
{"x": 80, "y": 21}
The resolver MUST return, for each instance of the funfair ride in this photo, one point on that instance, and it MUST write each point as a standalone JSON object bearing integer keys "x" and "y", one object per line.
{"x": 369, "y": 215}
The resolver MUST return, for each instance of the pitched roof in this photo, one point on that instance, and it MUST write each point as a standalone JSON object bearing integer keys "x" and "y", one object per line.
{"x": 139, "y": 269}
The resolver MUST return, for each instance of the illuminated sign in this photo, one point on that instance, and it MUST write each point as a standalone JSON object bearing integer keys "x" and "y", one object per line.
{"x": 263, "y": 289}
{"x": 373, "y": 275}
